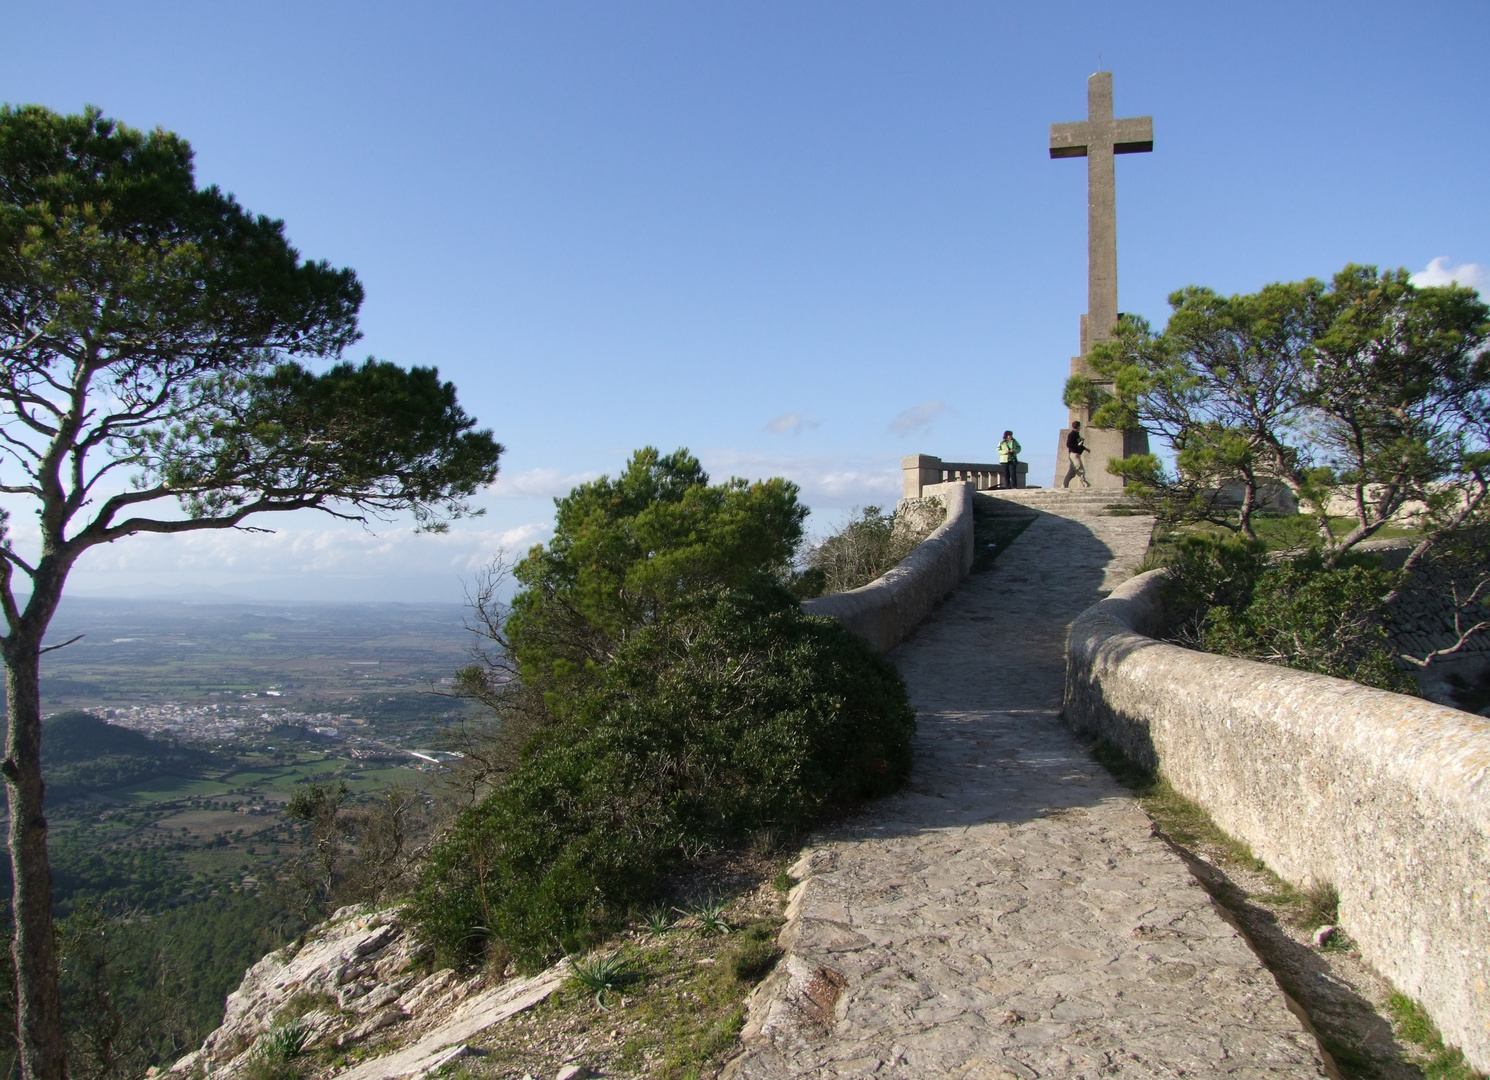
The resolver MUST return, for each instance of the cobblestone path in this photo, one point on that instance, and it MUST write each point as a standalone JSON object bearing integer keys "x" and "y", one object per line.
{"x": 1010, "y": 913}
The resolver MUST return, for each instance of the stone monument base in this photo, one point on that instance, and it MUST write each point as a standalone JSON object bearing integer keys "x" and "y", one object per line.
{"x": 1102, "y": 445}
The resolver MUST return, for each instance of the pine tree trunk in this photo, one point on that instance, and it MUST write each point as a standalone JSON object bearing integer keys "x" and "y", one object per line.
{"x": 38, "y": 1003}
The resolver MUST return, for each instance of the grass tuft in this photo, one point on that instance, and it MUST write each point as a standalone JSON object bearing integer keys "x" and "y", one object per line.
{"x": 1416, "y": 1026}
{"x": 694, "y": 1021}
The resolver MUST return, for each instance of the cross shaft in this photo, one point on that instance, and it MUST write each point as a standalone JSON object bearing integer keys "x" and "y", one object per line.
{"x": 1098, "y": 138}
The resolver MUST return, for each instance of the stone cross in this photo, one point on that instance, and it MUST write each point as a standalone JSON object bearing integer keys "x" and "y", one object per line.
{"x": 1098, "y": 138}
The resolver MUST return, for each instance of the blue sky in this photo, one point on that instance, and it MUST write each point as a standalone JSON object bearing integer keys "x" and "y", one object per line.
{"x": 798, "y": 238}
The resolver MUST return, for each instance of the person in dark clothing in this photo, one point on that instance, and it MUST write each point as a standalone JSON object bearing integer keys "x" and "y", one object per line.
{"x": 1075, "y": 447}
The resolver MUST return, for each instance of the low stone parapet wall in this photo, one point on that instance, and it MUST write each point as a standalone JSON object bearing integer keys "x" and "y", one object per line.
{"x": 1385, "y": 797}
{"x": 885, "y": 611}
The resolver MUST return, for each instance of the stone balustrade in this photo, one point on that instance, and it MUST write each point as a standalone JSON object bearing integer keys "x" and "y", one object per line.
{"x": 921, "y": 471}
{"x": 1385, "y": 797}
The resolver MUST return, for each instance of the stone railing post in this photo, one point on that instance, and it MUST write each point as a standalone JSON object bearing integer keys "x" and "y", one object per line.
{"x": 919, "y": 470}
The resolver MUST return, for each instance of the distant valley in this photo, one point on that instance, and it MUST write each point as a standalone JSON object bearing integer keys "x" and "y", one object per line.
{"x": 178, "y": 732}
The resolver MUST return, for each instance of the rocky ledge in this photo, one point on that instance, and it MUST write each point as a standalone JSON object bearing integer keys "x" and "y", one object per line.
{"x": 361, "y": 993}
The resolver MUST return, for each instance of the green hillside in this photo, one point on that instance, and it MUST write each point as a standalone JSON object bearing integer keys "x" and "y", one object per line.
{"x": 82, "y": 753}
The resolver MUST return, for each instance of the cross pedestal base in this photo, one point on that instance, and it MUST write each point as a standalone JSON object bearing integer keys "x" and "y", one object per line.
{"x": 1102, "y": 445}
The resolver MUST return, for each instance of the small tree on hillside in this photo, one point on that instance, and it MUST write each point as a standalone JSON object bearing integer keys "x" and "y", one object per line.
{"x": 1368, "y": 384}
{"x": 1399, "y": 396}
{"x": 148, "y": 335}
{"x": 1222, "y": 385}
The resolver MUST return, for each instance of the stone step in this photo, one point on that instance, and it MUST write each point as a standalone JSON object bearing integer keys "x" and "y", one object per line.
{"x": 1024, "y": 501}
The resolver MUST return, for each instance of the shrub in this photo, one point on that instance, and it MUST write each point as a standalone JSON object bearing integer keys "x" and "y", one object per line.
{"x": 870, "y": 543}
{"x": 1227, "y": 597}
{"x": 659, "y": 694}
{"x": 738, "y": 714}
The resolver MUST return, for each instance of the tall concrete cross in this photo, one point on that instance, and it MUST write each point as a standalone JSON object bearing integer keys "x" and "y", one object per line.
{"x": 1098, "y": 138}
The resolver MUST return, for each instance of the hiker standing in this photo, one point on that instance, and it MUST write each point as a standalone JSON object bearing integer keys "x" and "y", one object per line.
{"x": 1075, "y": 447}
{"x": 1009, "y": 457}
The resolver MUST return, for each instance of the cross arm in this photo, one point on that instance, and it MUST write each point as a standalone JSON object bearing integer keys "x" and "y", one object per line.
{"x": 1070, "y": 140}
{"x": 1134, "y": 135}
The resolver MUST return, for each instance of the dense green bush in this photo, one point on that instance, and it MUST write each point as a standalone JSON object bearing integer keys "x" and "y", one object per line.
{"x": 685, "y": 711}
{"x": 745, "y": 715}
{"x": 1228, "y": 597}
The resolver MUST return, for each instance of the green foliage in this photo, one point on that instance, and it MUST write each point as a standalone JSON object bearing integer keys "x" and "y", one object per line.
{"x": 82, "y": 753}
{"x": 1084, "y": 392}
{"x": 754, "y": 957}
{"x": 275, "y": 1055}
{"x": 1415, "y": 1025}
{"x": 142, "y": 990}
{"x": 1367, "y": 383}
{"x": 1309, "y": 908}
{"x": 687, "y": 1014}
{"x": 151, "y": 339}
{"x": 602, "y": 975}
{"x": 304, "y": 1002}
{"x": 738, "y": 715}
{"x": 1228, "y": 597}
{"x": 709, "y": 915}
{"x": 628, "y": 552}
{"x": 355, "y": 854}
{"x": 674, "y": 700}
{"x": 870, "y": 543}
{"x": 186, "y": 308}
{"x": 658, "y": 919}
{"x": 1302, "y": 615}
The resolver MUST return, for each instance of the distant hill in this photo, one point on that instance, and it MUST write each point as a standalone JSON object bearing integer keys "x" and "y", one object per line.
{"x": 81, "y": 753}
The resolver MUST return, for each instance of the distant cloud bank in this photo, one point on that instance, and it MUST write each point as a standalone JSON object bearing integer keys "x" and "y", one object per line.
{"x": 1439, "y": 272}
{"x": 539, "y": 484}
{"x": 790, "y": 424}
{"x": 304, "y": 560}
{"x": 917, "y": 417}
{"x": 829, "y": 480}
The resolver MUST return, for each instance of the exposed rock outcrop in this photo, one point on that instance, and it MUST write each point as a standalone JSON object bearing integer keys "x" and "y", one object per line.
{"x": 361, "y": 980}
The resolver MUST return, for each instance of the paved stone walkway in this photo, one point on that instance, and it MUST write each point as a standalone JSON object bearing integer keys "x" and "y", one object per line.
{"x": 1010, "y": 914}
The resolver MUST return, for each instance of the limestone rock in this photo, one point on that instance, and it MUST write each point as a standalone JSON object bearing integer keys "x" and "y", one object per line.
{"x": 354, "y": 977}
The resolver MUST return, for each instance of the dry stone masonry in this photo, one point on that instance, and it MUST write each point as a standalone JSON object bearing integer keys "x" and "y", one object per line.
{"x": 1383, "y": 796}
{"x": 1010, "y": 914}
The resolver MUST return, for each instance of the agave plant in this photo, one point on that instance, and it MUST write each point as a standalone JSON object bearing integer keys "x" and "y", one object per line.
{"x": 274, "y": 1055}
{"x": 284, "y": 1042}
{"x": 658, "y": 920}
{"x": 710, "y": 916}
{"x": 601, "y": 974}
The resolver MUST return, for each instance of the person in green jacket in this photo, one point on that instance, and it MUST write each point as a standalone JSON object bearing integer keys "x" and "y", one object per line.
{"x": 1009, "y": 456}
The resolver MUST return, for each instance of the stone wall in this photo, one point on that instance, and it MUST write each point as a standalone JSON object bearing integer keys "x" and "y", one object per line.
{"x": 1386, "y": 797}
{"x": 885, "y": 611}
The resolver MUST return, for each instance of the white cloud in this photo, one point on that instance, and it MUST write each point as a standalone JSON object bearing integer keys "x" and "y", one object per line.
{"x": 341, "y": 562}
{"x": 790, "y": 424}
{"x": 917, "y": 417}
{"x": 539, "y": 483}
{"x": 1439, "y": 272}
{"x": 831, "y": 480}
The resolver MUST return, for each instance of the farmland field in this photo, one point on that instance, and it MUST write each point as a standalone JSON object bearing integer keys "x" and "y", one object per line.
{"x": 170, "y": 814}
